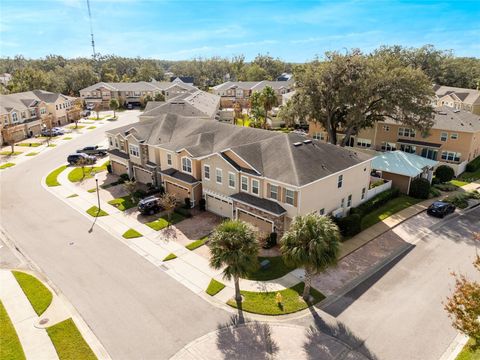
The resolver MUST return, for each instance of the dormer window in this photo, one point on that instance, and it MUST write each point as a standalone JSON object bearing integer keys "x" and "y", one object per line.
{"x": 134, "y": 150}
{"x": 186, "y": 165}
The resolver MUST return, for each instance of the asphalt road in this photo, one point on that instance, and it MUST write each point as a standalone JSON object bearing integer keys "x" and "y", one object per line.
{"x": 398, "y": 313}
{"x": 135, "y": 309}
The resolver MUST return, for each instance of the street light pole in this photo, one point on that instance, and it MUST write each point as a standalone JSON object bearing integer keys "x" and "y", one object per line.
{"x": 98, "y": 193}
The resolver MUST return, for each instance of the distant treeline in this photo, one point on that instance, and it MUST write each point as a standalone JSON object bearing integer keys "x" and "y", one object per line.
{"x": 58, "y": 74}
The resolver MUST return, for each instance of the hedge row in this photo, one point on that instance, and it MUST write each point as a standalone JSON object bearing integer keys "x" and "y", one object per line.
{"x": 473, "y": 165}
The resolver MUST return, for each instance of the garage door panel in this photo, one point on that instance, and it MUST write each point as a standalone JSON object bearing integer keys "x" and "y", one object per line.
{"x": 117, "y": 168}
{"x": 261, "y": 224}
{"x": 143, "y": 176}
{"x": 179, "y": 192}
{"x": 218, "y": 206}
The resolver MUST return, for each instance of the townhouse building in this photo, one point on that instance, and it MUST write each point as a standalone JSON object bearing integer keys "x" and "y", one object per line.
{"x": 454, "y": 139}
{"x": 232, "y": 92}
{"x": 132, "y": 92}
{"x": 262, "y": 177}
{"x": 458, "y": 98}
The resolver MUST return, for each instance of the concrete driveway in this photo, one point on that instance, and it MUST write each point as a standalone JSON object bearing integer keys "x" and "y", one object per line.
{"x": 398, "y": 312}
{"x": 134, "y": 308}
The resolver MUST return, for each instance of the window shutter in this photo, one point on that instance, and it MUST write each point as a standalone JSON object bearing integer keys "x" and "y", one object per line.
{"x": 268, "y": 190}
{"x": 295, "y": 198}
{"x": 283, "y": 191}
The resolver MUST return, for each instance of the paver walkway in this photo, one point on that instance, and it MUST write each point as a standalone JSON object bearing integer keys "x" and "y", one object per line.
{"x": 35, "y": 342}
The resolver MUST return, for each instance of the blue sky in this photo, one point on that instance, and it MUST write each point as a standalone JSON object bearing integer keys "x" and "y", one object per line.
{"x": 292, "y": 30}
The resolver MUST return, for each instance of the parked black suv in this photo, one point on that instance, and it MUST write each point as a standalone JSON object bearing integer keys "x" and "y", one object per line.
{"x": 149, "y": 205}
{"x": 93, "y": 150}
{"x": 440, "y": 209}
{"x": 73, "y": 159}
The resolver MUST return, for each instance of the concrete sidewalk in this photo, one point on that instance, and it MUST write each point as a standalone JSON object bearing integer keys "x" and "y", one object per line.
{"x": 35, "y": 342}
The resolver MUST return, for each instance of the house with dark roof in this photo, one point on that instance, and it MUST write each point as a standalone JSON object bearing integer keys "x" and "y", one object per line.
{"x": 453, "y": 140}
{"x": 458, "y": 98}
{"x": 263, "y": 177}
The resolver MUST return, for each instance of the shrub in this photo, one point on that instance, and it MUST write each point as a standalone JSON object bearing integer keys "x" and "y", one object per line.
{"x": 270, "y": 241}
{"x": 444, "y": 173}
{"x": 188, "y": 203}
{"x": 420, "y": 188}
{"x": 349, "y": 225}
{"x": 375, "y": 202}
{"x": 139, "y": 194}
{"x": 459, "y": 200}
{"x": 124, "y": 177}
{"x": 434, "y": 192}
{"x": 377, "y": 183}
{"x": 184, "y": 212}
{"x": 202, "y": 204}
{"x": 473, "y": 165}
{"x": 446, "y": 187}
{"x": 109, "y": 168}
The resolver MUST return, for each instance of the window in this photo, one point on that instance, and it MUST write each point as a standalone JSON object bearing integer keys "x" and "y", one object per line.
{"x": 363, "y": 193}
{"x": 14, "y": 117}
{"x": 218, "y": 173}
{"x": 134, "y": 150}
{"x": 406, "y": 132}
{"x": 349, "y": 200}
{"x": 33, "y": 113}
{"x": 186, "y": 165}
{"x": 364, "y": 143}
{"x": 340, "y": 181}
{"x": 451, "y": 156}
{"x": 110, "y": 141}
{"x": 386, "y": 128}
{"x": 319, "y": 136}
{"x": 289, "y": 196}
{"x": 231, "y": 180}
{"x": 255, "y": 186}
{"x": 273, "y": 192}
{"x": 169, "y": 159}
{"x": 429, "y": 154}
{"x": 388, "y": 146}
{"x": 136, "y": 93}
{"x": 411, "y": 149}
{"x": 43, "y": 111}
{"x": 116, "y": 143}
{"x": 244, "y": 181}
{"x": 56, "y": 107}
{"x": 443, "y": 136}
{"x": 454, "y": 136}
{"x": 206, "y": 172}
{"x": 342, "y": 203}
{"x": 322, "y": 211}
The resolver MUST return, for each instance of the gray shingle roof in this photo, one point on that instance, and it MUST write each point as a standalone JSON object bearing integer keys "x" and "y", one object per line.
{"x": 179, "y": 175}
{"x": 472, "y": 96}
{"x": 261, "y": 203}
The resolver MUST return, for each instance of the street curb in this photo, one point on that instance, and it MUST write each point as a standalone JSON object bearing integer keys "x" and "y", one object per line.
{"x": 455, "y": 347}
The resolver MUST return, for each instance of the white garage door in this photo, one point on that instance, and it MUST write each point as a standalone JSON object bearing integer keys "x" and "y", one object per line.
{"x": 219, "y": 206}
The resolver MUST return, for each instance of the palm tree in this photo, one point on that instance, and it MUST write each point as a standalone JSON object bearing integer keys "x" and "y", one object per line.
{"x": 233, "y": 245}
{"x": 312, "y": 242}
{"x": 269, "y": 100}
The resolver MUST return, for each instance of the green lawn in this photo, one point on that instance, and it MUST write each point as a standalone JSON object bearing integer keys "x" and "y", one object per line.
{"x": 68, "y": 342}
{"x": 51, "y": 179}
{"x": 92, "y": 190}
{"x": 77, "y": 174}
{"x": 52, "y": 145}
{"x": 131, "y": 234}
{"x": 458, "y": 183}
{"x": 37, "y": 293}
{"x": 162, "y": 223}
{"x": 96, "y": 212}
{"x": 78, "y": 127}
{"x": 72, "y": 196}
{"x": 123, "y": 203}
{"x": 393, "y": 206}
{"x": 170, "y": 256}
{"x": 197, "y": 243}
{"x": 9, "y": 153}
{"x": 276, "y": 270}
{"x": 29, "y": 144}
{"x": 214, "y": 287}
{"x": 67, "y": 138}
{"x": 469, "y": 177}
{"x": 91, "y": 127}
{"x": 10, "y": 347}
{"x": 6, "y": 165}
{"x": 468, "y": 353}
{"x": 265, "y": 302}
{"x": 243, "y": 122}
{"x": 31, "y": 154}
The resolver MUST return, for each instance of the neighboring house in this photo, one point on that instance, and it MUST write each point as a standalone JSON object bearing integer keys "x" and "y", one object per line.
{"x": 453, "y": 140}
{"x": 401, "y": 168}
{"x": 5, "y": 78}
{"x": 285, "y": 77}
{"x": 21, "y": 116}
{"x": 132, "y": 92}
{"x": 458, "y": 98}
{"x": 263, "y": 177}
{"x": 189, "y": 80}
{"x": 59, "y": 105}
{"x": 240, "y": 91}
{"x": 198, "y": 104}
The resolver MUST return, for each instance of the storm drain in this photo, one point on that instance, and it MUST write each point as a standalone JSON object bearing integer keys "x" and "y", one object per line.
{"x": 43, "y": 321}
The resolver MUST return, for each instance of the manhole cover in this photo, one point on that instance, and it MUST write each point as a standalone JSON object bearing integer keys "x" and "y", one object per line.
{"x": 72, "y": 243}
{"x": 43, "y": 321}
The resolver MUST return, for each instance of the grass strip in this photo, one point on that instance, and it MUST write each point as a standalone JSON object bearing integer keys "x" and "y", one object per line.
{"x": 72, "y": 196}
{"x": 96, "y": 212}
{"x": 67, "y": 138}
{"x": 123, "y": 203}
{"x": 92, "y": 190}
{"x": 265, "y": 302}
{"x": 10, "y": 346}
{"x": 6, "y": 165}
{"x": 275, "y": 270}
{"x": 131, "y": 234}
{"x": 31, "y": 153}
{"x": 68, "y": 341}
{"x": 51, "y": 179}
{"x": 170, "y": 256}
{"x": 469, "y": 352}
{"x": 214, "y": 287}
{"x": 39, "y": 296}
{"x": 52, "y": 145}
{"x": 28, "y": 144}
{"x": 197, "y": 243}
{"x": 91, "y": 127}
{"x": 78, "y": 127}
{"x": 158, "y": 224}
{"x": 88, "y": 172}
{"x": 9, "y": 153}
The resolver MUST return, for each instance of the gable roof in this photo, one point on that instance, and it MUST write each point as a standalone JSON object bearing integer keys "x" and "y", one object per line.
{"x": 282, "y": 157}
{"x": 254, "y": 85}
{"x": 399, "y": 162}
{"x": 468, "y": 96}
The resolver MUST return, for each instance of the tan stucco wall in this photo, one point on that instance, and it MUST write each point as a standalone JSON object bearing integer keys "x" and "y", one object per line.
{"x": 215, "y": 162}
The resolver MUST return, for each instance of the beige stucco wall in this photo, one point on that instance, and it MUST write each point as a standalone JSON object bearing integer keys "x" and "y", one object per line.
{"x": 215, "y": 161}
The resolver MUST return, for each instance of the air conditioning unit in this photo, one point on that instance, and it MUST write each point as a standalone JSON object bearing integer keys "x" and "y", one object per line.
{"x": 338, "y": 213}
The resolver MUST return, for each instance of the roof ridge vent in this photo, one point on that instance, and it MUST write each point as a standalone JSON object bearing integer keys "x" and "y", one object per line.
{"x": 298, "y": 143}
{"x": 308, "y": 141}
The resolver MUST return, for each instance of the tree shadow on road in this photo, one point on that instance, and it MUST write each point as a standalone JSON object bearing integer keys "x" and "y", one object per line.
{"x": 320, "y": 346}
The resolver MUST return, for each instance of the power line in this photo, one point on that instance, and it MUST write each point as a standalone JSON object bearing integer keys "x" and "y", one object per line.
{"x": 91, "y": 30}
